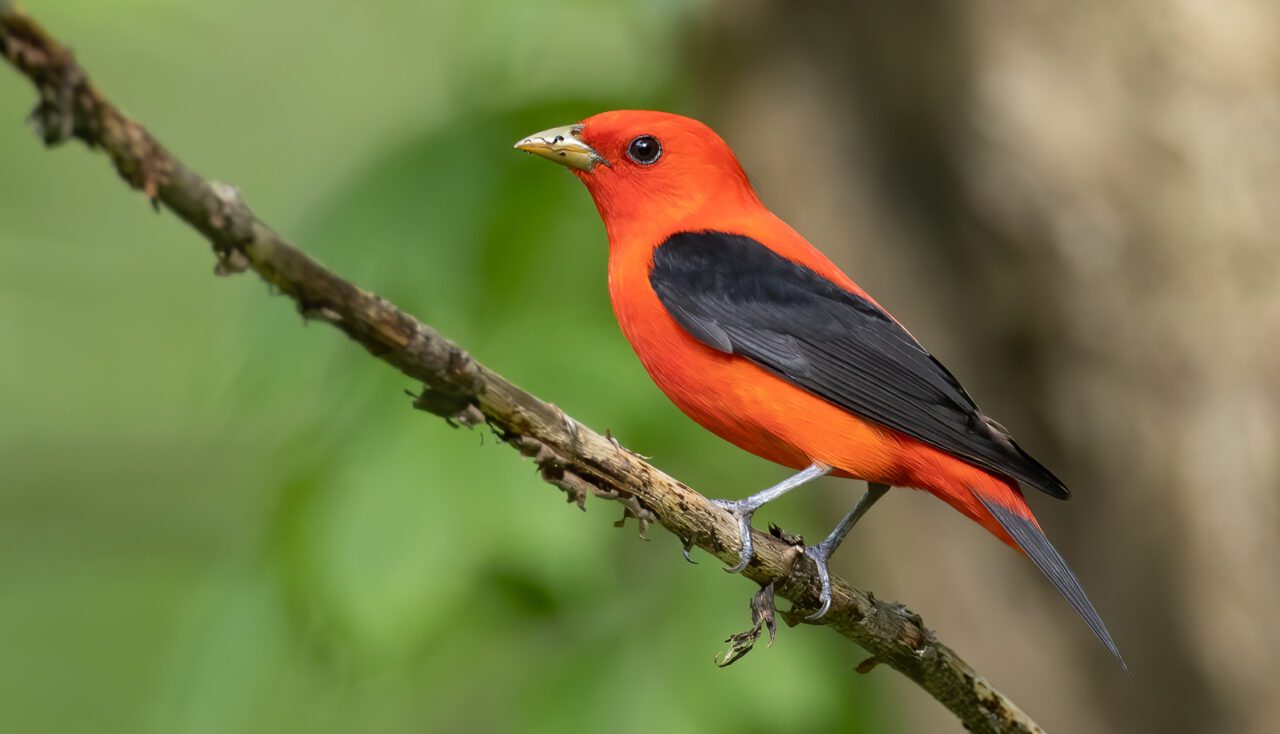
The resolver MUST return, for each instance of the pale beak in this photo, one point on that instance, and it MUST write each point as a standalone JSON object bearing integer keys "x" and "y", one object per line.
{"x": 562, "y": 145}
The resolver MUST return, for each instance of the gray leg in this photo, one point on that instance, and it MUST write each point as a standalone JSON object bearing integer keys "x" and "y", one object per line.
{"x": 822, "y": 551}
{"x": 743, "y": 509}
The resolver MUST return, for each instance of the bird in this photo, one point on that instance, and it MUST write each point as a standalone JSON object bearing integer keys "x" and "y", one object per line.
{"x": 760, "y": 338}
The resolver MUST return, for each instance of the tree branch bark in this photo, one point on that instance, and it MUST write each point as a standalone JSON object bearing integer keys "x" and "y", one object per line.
{"x": 570, "y": 456}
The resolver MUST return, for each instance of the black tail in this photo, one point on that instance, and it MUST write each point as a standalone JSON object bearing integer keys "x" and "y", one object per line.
{"x": 1050, "y": 562}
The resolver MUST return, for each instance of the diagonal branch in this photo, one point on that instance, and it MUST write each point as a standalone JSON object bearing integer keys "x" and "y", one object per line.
{"x": 460, "y": 389}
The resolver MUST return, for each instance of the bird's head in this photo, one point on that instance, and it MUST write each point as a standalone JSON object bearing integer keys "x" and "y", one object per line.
{"x": 646, "y": 165}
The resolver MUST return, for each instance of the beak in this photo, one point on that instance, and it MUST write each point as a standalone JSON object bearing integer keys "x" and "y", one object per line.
{"x": 562, "y": 145}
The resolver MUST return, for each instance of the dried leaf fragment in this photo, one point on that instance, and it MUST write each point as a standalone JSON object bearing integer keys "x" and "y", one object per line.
{"x": 763, "y": 616}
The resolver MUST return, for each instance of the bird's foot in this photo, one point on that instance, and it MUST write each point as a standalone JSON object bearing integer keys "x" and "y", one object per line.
{"x": 743, "y": 512}
{"x": 819, "y": 554}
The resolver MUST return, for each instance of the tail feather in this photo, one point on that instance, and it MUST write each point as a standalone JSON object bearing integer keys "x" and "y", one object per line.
{"x": 1033, "y": 542}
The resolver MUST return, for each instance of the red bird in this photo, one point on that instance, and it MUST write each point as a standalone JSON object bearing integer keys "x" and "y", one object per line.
{"x": 757, "y": 336}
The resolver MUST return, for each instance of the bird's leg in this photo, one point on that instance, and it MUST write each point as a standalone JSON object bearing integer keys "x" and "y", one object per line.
{"x": 744, "y": 508}
{"x": 822, "y": 551}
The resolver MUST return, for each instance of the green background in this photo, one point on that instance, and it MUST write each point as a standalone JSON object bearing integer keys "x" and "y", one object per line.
{"x": 213, "y": 519}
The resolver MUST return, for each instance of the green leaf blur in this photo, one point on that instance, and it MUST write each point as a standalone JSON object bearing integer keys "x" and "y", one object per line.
{"x": 213, "y": 519}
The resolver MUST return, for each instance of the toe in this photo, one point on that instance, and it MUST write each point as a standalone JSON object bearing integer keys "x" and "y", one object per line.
{"x": 819, "y": 556}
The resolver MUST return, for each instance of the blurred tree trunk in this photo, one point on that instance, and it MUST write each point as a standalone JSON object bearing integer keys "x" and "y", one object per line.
{"x": 1074, "y": 205}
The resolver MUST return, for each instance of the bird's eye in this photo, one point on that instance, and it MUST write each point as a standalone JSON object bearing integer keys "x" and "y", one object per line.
{"x": 645, "y": 150}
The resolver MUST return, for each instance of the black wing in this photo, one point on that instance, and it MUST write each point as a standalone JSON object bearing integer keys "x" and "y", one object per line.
{"x": 738, "y": 296}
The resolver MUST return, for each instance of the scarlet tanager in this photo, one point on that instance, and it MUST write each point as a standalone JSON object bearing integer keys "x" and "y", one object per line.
{"x": 757, "y": 336}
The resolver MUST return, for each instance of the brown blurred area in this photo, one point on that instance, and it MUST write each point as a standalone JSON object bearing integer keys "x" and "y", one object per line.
{"x": 1074, "y": 205}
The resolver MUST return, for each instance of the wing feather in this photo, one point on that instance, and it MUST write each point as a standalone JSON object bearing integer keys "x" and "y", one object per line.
{"x": 736, "y": 295}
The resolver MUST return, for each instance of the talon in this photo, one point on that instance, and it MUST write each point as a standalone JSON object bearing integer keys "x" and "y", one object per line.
{"x": 688, "y": 546}
{"x": 744, "y": 524}
{"x": 819, "y": 554}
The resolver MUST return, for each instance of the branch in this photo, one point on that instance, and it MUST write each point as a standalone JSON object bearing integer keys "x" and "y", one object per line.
{"x": 460, "y": 389}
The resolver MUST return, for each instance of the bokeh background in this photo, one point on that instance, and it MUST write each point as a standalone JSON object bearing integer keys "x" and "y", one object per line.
{"x": 213, "y": 519}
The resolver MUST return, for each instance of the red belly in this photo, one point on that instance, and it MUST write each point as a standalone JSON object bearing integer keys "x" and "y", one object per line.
{"x": 753, "y": 408}
{"x": 760, "y": 412}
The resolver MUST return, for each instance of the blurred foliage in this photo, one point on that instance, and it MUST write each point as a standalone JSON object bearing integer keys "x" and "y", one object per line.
{"x": 215, "y": 520}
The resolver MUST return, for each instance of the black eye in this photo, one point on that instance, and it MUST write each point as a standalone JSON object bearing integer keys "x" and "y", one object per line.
{"x": 645, "y": 150}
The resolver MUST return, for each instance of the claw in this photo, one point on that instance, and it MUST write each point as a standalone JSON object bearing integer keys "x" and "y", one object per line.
{"x": 819, "y": 554}
{"x": 744, "y": 525}
{"x": 688, "y": 546}
{"x": 822, "y": 551}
